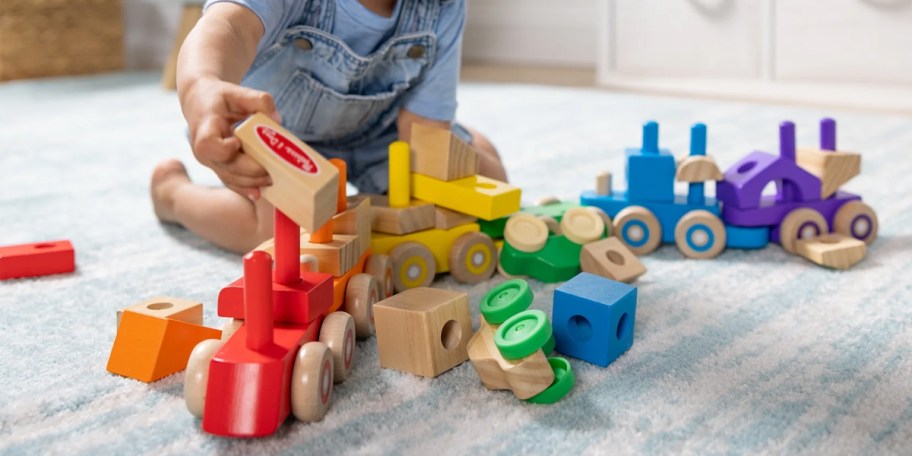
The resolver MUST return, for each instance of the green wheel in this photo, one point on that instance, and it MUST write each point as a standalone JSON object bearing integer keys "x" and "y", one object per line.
{"x": 506, "y": 300}
{"x": 523, "y": 334}
{"x": 549, "y": 345}
{"x": 563, "y": 383}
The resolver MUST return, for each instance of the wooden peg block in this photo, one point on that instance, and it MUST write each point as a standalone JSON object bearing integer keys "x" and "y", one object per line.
{"x": 832, "y": 168}
{"x": 423, "y": 331}
{"x": 148, "y": 348}
{"x": 526, "y": 377}
{"x": 37, "y": 259}
{"x": 478, "y": 196}
{"x": 414, "y": 217}
{"x": 445, "y": 219}
{"x": 698, "y": 168}
{"x": 438, "y": 153}
{"x": 832, "y": 250}
{"x": 335, "y": 258}
{"x": 603, "y": 184}
{"x": 168, "y": 307}
{"x": 611, "y": 259}
{"x": 304, "y": 184}
{"x": 356, "y": 221}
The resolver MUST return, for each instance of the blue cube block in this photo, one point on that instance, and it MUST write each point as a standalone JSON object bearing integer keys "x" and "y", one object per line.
{"x": 593, "y": 318}
{"x": 650, "y": 176}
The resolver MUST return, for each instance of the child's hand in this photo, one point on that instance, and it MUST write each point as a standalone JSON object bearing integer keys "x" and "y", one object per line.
{"x": 212, "y": 107}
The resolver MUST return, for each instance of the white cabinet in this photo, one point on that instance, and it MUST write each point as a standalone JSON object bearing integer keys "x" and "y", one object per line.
{"x": 834, "y": 52}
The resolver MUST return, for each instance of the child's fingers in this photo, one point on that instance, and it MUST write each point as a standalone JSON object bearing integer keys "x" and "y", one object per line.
{"x": 245, "y": 166}
{"x": 212, "y": 145}
{"x": 237, "y": 180}
{"x": 246, "y": 101}
{"x": 252, "y": 193}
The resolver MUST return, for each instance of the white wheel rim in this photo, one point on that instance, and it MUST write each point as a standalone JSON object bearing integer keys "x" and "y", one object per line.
{"x": 478, "y": 259}
{"x": 413, "y": 272}
{"x": 635, "y": 233}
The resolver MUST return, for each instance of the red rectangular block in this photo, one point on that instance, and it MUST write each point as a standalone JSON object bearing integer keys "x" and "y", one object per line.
{"x": 299, "y": 303}
{"x": 37, "y": 259}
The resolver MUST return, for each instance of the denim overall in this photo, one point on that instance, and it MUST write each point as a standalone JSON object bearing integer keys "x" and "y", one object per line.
{"x": 343, "y": 104}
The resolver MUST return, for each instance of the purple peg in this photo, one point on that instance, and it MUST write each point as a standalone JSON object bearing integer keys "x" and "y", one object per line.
{"x": 827, "y": 134}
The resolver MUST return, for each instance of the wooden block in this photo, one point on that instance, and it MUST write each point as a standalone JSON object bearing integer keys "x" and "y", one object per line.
{"x": 423, "y": 331}
{"x": 698, "y": 168}
{"x": 478, "y": 196}
{"x": 832, "y": 250}
{"x": 438, "y": 153}
{"x": 445, "y": 219}
{"x": 832, "y": 168}
{"x": 356, "y": 220}
{"x": 148, "y": 348}
{"x": 611, "y": 259}
{"x": 168, "y": 307}
{"x": 304, "y": 184}
{"x": 416, "y": 216}
{"x": 525, "y": 377}
{"x": 335, "y": 258}
{"x": 37, "y": 259}
{"x": 603, "y": 184}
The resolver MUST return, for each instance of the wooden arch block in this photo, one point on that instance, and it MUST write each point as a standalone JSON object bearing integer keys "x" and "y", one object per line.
{"x": 698, "y": 168}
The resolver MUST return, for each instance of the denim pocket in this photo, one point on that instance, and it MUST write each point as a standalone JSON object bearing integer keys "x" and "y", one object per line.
{"x": 316, "y": 112}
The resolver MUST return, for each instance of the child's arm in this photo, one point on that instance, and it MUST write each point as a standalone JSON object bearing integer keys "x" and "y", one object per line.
{"x": 215, "y": 56}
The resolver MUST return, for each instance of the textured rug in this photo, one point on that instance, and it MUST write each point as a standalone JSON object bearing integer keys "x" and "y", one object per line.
{"x": 751, "y": 352}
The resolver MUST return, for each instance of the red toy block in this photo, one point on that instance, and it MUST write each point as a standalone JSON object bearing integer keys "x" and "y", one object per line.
{"x": 38, "y": 259}
{"x": 249, "y": 389}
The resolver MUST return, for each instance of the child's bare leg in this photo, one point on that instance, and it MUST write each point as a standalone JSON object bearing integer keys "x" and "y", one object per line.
{"x": 489, "y": 163}
{"x": 219, "y": 215}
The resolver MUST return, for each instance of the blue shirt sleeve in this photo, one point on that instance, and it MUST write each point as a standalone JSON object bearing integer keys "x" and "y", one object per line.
{"x": 434, "y": 96}
{"x": 276, "y": 16}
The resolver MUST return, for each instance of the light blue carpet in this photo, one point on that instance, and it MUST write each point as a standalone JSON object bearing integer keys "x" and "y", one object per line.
{"x": 751, "y": 352}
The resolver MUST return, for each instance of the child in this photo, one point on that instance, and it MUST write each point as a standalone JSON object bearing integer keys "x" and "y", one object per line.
{"x": 346, "y": 76}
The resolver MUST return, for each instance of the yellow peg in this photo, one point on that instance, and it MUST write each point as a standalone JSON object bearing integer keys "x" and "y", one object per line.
{"x": 399, "y": 174}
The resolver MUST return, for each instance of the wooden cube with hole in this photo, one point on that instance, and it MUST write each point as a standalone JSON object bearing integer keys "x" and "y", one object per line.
{"x": 593, "y": 318}
{"x": 438, "y": 153}
{"x": 336, "y": 257}
{"x": 168, "y": 307}
{"x": 611, "y": 259}
{"x": 423, "y": 331}
{"x": 832, "y": 250}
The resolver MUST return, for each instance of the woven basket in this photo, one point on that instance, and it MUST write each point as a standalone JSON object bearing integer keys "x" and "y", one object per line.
{"x": 60, "y": 37}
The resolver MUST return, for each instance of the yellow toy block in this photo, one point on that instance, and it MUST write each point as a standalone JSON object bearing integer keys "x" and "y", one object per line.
{"x": 435, "y": 240}
{"x": 304, "y": 184}
{"x": 478, "y": 196}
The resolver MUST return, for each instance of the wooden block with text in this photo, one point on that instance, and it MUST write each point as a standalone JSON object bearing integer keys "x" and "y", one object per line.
{"x": 438, "y": 153}
{"x": 423, "y": 331}
{"x": 304, "y": 184}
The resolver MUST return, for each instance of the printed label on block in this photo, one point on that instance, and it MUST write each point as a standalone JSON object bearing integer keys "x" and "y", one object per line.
{"x": 287, "y": 149}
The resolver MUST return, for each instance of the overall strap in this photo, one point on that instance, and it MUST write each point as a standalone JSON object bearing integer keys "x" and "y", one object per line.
{"x": 418, "y": 16}
{"x": 319, "y": 14}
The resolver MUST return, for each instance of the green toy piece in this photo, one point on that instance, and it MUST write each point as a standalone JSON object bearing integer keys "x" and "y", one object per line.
{"x": 563, "y": 382}
{"x": 555, "y": 210}
{"x": 493, "y": 228}
{"x": 506, "y": 300}
{"x": 557, "y": 261}
{"x": 523, "y": 334}
{"x": 549, "y": 345}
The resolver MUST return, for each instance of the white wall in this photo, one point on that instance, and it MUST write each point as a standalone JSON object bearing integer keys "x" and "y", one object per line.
{"x": 149, "y": 30}
{"x": 532, "y": 32}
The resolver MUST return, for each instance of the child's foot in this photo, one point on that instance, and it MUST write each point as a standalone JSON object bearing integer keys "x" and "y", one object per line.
{"x": 166, "y": 178}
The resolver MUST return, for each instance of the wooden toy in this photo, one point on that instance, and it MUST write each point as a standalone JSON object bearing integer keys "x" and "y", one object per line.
{"x": 148, "y": 348}
{"x": 832, "y": 167}
{"x": 304, "y": 184}
{"x": 554, "y": 227}
{"x": 423, "y": 331}
{"x": 477, "y": 196}
{"x": 472, "y": 258}
{"x": 37, "y": 259}
{"x": 603, "y": 184}
{"x": 582, "y": 226}
{"x": 249, "y": 385}
{"x": 438, "y": 153}
{"x": 593, "y": 318}
{"x": 361, "y": 293}
{"x": 526, "y": 232}
{"x": 557, "y": 261}
{"x": 523, "y": 334}
{"x": 445, "y": 219}
{"x": 381, "y": 268}
{"x": 525, "y": 377}
{"x": 355, "y": 220}
{"x": 650, "y": 170}
{"x": 505, "y": 300}
{"x": 413, "y": 217}
{"x": 801, "y": 223}
{"x": 417, "y": 257}
{"x": 548, "y": 201}
{"x": 832, "y": 250}
{"x": 605, "y": 218}
{"x": 338, "y": 328}
{"x": 563, "y": 383}
{"x": 168, "y": 307}
{"x": 230, "y": 327}
{"x": 648, "y": 213}
{"x": 695, "y": 234}
{"x": 611, "y": 259}
{"x": 857, "y": 220}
